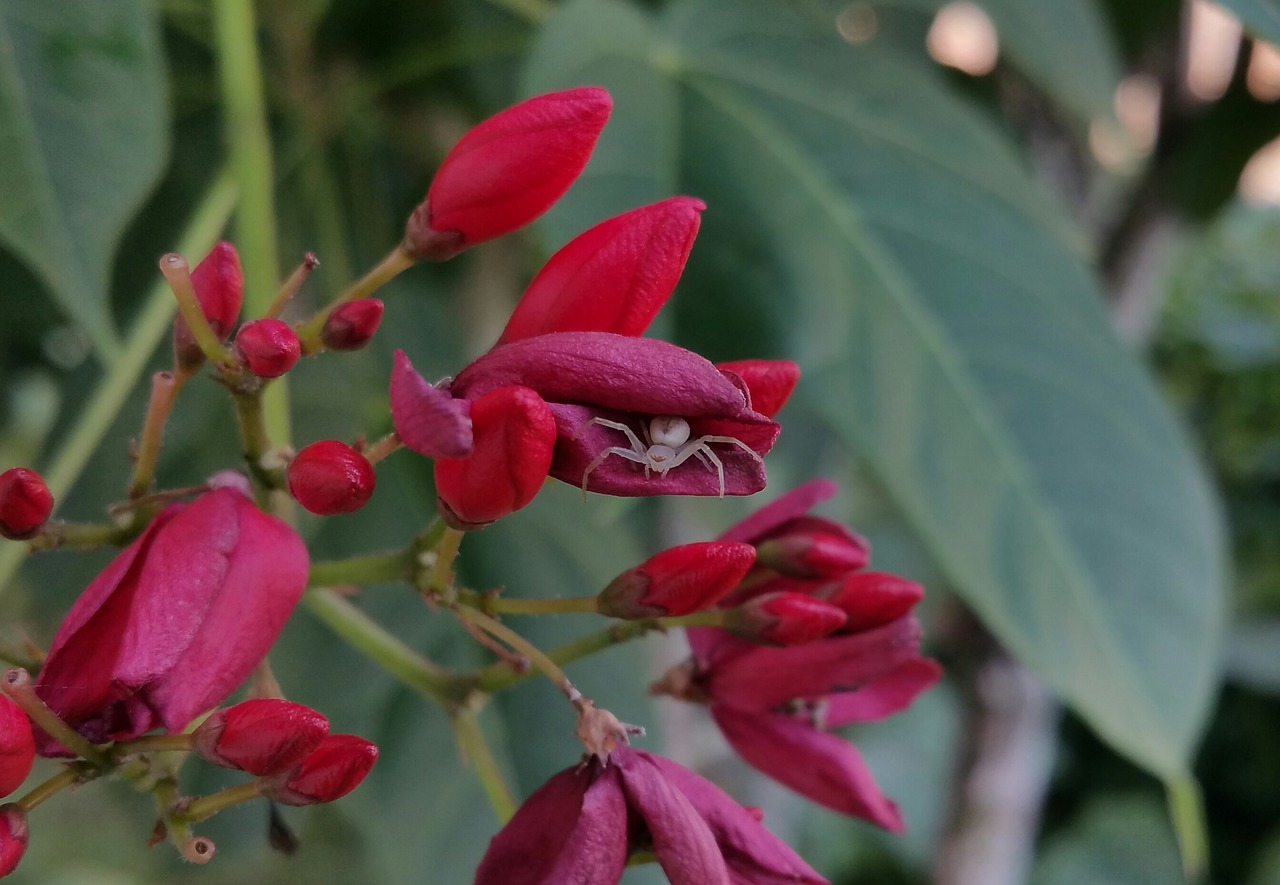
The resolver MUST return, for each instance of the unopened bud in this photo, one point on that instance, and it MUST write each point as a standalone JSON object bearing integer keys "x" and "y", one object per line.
{"x": 352, "y": 325}
{"x": 329, "y": 477}
{"x": 677, "y": 581}
{"x": 13, "y": 837}
{"x": 267, "y": 347}
{"x": 17, "y": 746}
{"x": 333, "y": 770}
{"x": 769, "y": 381}
{"x": 25, "y": 503}
{"x": 219, "y": 285}
{"x": 810, "y": 547}
{"x": 784, "y": 618}
{"x": 263, "y": 736}
{"x": 871, "y": 599}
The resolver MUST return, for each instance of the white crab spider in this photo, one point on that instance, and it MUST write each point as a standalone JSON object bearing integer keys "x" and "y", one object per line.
{"x": 666, "y": 446}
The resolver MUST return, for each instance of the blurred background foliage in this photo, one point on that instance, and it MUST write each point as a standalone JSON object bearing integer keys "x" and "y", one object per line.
{"x": 972, "y": 226}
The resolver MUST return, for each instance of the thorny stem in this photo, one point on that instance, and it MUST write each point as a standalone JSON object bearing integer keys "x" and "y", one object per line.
{"x": 17, "y": 685}
{"x": 164, "y": 392}
{"x": 73, "y": 774}
{"x": 178, "y": 274}
{"x": 292, "y": 285}
{"x": 466, "y": 730}
{"x": 392, "y": 264}
{"x": 203, "y": 807}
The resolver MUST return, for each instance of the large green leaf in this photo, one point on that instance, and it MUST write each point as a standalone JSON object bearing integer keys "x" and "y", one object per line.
{"x": 948, "y": 328}
{"x": 1260, "y": 16}
{"x": 83, "y": 134}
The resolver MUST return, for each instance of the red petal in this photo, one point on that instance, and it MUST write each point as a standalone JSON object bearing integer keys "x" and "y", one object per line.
{"x": 615, "y": 277}
{"x": 17, "y": 746}
{"x": 770, "y": 382}
{"x": 883, "y": 696}
{"x": 794, "y": 503}
{"x": 427, "y": 419}
{"x": 875, "y": 598}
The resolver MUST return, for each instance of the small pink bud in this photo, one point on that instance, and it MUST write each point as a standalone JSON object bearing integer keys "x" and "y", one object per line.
{"x": 25, "y": 503}
{"x": 219, "y": 285}
{"x": 333, "y": 770}
{"x": 263, "y": 736}
{"x": 677, "y": 581}
{"x": 329, "y": 477}
{"x": 507, "y": 171}
{"x": 13, "y": 837}
{"x": 514, "y": 438}
{"x": 872, "y": 599}
{"x": 770, "y": 382}
{"x": 784, "y": 618}
{"x": 268, "y": 347}
{"x": 17, "y": 746}
{"x": 352, "y": 325}
{"x": 810, "y": 547}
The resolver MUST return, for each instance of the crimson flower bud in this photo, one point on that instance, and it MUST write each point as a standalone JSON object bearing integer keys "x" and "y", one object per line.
{"x": 25, "y": 503}
{"x": 811, "y": 547}
{"x": 677, "y": 581}
{"x": 263, "y": 736}
{"x": 507, "y": 171}
{"x": 13, "y": 837}
{"x": 17, "y": 746}
{"x": 769, "y": 381}
{"x": 514, "y": 438}
{"x": 352, "y": 325}
{"x": 871, "y": 599}
{"x": 219, "y": 284}
{"x": 329, "y": 477}
{"x": 331, "y": 771}
{"x": 268, "y": 347}
{"x": 784, "y": 618}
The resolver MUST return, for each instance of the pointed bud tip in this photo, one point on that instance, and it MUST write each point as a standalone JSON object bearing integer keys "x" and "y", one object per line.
{"x": 25, "y": 503}
{"x": 352, "y": 325}
{"x": 335, "y": 768}
{"x": 263, "y": 736}
{"x": 329, "y": 477}
{"x": 871, "y": 599}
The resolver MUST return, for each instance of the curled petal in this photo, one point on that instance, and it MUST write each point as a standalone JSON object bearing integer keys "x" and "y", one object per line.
{"x": 614, "y": 277}
{"x": 793, "y": 504}
{"x": 427, "y": 419}
{"x": 770, "y": 382}
{"x": 815, "y": 764}
{"x": 883, "y": 696}
{"x": 515, "y": 437}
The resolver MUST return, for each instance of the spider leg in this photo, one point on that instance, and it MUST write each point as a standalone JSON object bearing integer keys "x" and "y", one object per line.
{"x": 732, "y": 441}
{"x": 700, "y": 448}
{"x": 599, "y": 459}
{"x": 636, "y": 445}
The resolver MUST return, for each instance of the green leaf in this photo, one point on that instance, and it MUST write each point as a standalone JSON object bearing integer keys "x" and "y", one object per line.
{"x": 83, "y": 133}
{"x": 1262, "y": 17}
{"x": 949, "y": 330}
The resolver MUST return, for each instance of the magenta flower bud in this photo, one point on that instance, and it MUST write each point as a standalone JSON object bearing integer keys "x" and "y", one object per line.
{"x": 329, "y": 477}
{"x": 872, "y": 599}
{"x": 219, "y": 285}
{"x": 677, "y": 581}
{"x": 352, "y": 324}
{"x": 636, "y": 258}
{"x": 263, "y": 736}
{"x": 13, "y": 837}
{"x": 514, "y": 438}
{"x": 17, "y": 746}
{"x": 25, "y": 503}
{"x": 784, "y": 618}
{"x": 770, "y": 382}
{"x": 810, "y": 547}
{"x": 507, "y": 171}
{"x": 331, "y": 771}
{"x": 268, "y": 347}
{"x": 175, "y": 622}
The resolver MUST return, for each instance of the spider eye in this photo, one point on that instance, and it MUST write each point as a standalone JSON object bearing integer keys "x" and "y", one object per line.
{"x": 665, "y": 430}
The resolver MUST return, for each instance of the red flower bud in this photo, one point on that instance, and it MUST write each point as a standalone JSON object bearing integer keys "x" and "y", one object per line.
{"x": 268, "y": 347}
{"x": 871, "y": 599}
{"x": 333, "y": 770}
{"x": 614, "y": 277}
{"x": 263, "y": 736}
{"x": 17, "y": 746}
{"x": 219, "y": 285}
{"x": 677, "y": 581}
{"x": 13, "y": 837}
{"x": 330, "y": 477}
{"x": 810, "y": 547}
{"x": 507, "y": 171}
{"x": 352, "y": 325}
{"x": 784, "y": 618}
{"x": 770, "y": 382}
{"x": 25, "y": 503}
{"x": 514, "y": 438}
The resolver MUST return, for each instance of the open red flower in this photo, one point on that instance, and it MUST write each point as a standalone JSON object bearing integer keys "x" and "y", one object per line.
{"x": 584, "y": 822}
{"x": 774, "y": 705}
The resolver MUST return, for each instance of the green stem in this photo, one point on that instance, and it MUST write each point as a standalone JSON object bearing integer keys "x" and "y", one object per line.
{"x": 153, "y": 743}
{"x": 364, "y": 634}
{"x": 392, "y": 264}
{"x": 536, "y": 656}
{"x": 17, "y": 685}
{"x": 1186, "y": 809}
{"x": 204, "y": 807}
{"x": 70, "y": 776}
{"x": 440, "y": 579}
{"x": 240, "y": 74}
{"x": 466, "y": 729}
{"x": 177, "y": 273}
{"x": 393, "y": 565}
{"x": 104, "y": 404}
{"x": 164, "y": 392}
{"x": 74, "y": 534}
{"x": 511, "y": 606}
{"x": 498, "y": 676}
{"x": 255, "y": 440}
